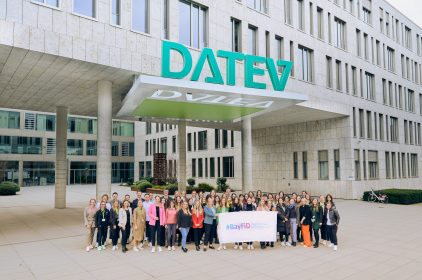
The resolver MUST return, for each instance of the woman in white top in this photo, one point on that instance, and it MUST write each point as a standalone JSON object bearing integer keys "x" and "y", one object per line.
{"x": 125, "y": 223}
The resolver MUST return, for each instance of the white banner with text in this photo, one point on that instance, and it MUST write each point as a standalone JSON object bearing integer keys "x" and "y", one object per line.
{"x": 247, "y": 226}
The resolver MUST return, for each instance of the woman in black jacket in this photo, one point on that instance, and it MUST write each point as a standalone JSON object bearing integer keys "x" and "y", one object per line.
{"x": 283, "y": 225}
{"x": 114, "y": 224}
{"x": 305, "y": 222}
{"x": 316, "y": 220}
{"x": 184, "y": 221}
{"x": 249, "y": 207}
{"x": 102, "y": 220}
{"x": 236, "y": 206}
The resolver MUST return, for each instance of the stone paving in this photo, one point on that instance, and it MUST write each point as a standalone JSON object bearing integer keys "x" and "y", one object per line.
{"x": 40, "y": 242}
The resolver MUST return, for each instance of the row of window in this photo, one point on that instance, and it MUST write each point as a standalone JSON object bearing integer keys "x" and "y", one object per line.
{"x": 323, "y": 168}
{"x": 411, "y": 70}
{"x": 401, "y": 165}
{"x": 159, "y": 145}
{"x": 395, "y": 95}
{"x": 159, "y": 127}
{"x": 43, "y": 122}
{"x": 34, "y": 145}
{"x": 371, "y": 125}
{"x": 224, "y": 166}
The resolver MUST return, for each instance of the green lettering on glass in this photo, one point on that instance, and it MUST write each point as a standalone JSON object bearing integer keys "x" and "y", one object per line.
{"x": 207, "y": 55}
{"x": 279, "y": 84}
{"x": 231, "y": 58}
{"x": 165, "y": 57}
{"x": 251, "y": 71}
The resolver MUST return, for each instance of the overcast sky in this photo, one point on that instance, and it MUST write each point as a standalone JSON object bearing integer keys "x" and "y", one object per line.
{"x": 410, "y": 8}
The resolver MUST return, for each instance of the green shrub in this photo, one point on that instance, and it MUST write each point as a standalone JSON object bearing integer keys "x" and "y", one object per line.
{"x": 172, "y": 188}
{"x": 205, "y": 187}
{"x": 399, "y": 196}
{"x": 142, "y": 185}
{"x": 221, "y": 184}
{"x": 9, "y": 188}
{"x": 191, "y": 182}
{"x": 149, "y": 179}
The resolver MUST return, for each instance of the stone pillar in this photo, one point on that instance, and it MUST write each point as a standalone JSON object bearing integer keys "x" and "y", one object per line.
{"x": 247, "y": 155}
{"x": 104, "y": 123}
{"x": 61, "y": 155}
{"x": 181, "y": 162}
{"x": 20, "y": 174}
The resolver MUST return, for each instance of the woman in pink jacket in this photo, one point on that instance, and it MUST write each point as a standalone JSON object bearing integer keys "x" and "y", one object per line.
{"x": 156, "y": 214}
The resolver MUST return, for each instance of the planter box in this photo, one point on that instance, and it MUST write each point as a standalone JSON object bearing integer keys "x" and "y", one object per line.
{"x": 154, "y": 191}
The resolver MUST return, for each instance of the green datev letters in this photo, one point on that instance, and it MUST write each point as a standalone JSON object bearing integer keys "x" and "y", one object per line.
{"x": 231, "y": 58}
{"x": 208, "y": 55}
{"x": 279, "y": 84}
{"x": 251, "y": 71}
{"x": 165, "y": 60}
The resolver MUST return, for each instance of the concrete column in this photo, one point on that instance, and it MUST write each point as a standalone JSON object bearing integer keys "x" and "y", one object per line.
{"x": 181, "y": 162}
{"x": 61, "y": 155}
{"x": 104, "y": 123}
{"x": 247, "y": 156}
{"x": 20, "y": 174}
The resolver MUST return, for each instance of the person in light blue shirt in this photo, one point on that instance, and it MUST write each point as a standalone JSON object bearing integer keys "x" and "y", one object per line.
{"x": 209, "y": 222}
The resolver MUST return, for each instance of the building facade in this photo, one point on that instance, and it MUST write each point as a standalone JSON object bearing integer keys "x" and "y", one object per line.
{"x": 358, "y": 61}
{"x": 28, "y": 148}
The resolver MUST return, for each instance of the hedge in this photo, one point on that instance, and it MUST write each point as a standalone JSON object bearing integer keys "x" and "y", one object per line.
{"x": 399, "y": 196}
{"x": 9, "y": 188}
{"x": 142, "y": 185}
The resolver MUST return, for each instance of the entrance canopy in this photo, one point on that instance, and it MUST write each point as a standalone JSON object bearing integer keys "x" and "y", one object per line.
{"x": 166, "y": 99}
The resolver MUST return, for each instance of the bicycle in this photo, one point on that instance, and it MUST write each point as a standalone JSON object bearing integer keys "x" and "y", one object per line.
{"x": 381, "y": 198}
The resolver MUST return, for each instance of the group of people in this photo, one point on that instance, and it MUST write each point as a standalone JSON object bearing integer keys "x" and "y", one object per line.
{"x": 161, "y": 221}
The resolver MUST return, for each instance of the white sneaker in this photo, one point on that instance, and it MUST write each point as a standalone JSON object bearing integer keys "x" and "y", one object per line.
{"x": 113, "y": 248}
{"x": 104, "y": 247}
{"x": 117, "y": 247}
{"x": 252, "y": 247}
{"x": 173, "y": 248}
{"x": 159, "y": 249}
{"x": 335, "y": 248}
{"x": 331, "y": 245}
{"x": 135, "y": 248}
{"x": 249, "y": 247}
{"x": 324, "y": 242}
{"x": 219, "y": 248}
{"x": 235, "y": 247}
{"x": 150, "y": 244}
{"x": 169, "y": 248}
{"x": 288, "y": 244}
{"x": 88, "y": 248}
{"x": 141, "y": 246}
{"x": 96, "y": 245}
{"x": 283, "y": 244}
{"x": 224, "y": 247}
{"x": 153, "y": 250}
{"x": 240, "y": 248}
{"x": 99, "y": 248}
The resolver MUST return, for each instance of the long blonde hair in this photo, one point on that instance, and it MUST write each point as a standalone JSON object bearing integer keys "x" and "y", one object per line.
{"x": 197, "y": 207}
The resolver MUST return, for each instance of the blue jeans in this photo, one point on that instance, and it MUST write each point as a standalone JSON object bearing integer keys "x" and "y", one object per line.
{"x": 184, "y": 232}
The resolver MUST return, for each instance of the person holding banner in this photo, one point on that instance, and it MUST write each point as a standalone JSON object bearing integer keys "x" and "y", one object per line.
{"x": 197, "y": 223}
{"x": 223, "y": 207}
{"x": 209, "y": 222}
{"x": 283, "y": 222}
{"x": 237, "y": 206}
{"x": 184, "y": 221}
{"x": 263, "y": 207}
{"x": 305, "y": 222}
{"x": 249, "y": 207}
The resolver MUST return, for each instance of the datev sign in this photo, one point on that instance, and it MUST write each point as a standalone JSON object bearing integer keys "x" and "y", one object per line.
{"x": 207, "y": 56}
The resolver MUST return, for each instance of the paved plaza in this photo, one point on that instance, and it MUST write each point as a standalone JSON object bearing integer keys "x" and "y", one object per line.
{"x": 40, "y": 242}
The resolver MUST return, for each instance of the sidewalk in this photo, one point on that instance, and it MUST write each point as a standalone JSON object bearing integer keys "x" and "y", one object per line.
{"x": 40, "y": 242}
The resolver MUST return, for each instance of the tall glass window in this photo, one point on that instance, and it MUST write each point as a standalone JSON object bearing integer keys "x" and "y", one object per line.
{"x": 75, "y": 147}
{"x": 91, "y": 147}
{"x": 236, "y": 35}
{"x": 259, "y": 5}
{"x": 305, "y": 64}
{"x": 228, "y": 167}
{"x": 85, "y": 7}
{"x": 165, "y": 19}
{"x": 202, "y": 140}
{"x": 123, "y": 129}
{"x": 252, "y": 40}
{"x": 140, "y": 15}
{"x": 323, "y": 165}
{"x": 192, "y": 24}
{"x": 9, "y": 119}
{"x": 115, "y": 12}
